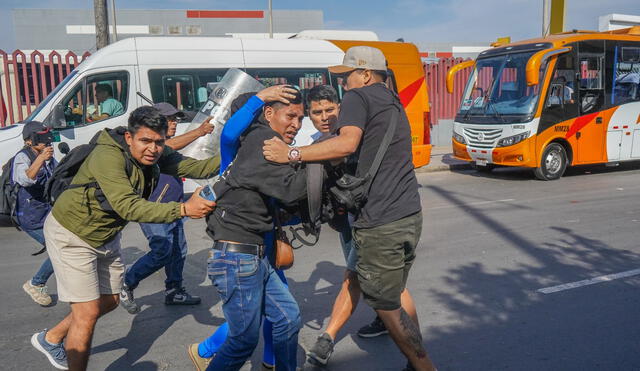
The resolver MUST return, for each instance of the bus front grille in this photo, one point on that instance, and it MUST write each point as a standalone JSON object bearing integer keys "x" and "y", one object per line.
{"x": 482, "y": 138}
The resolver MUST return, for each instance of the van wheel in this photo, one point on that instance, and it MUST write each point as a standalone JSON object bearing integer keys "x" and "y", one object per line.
{"x": 483, "y": 169}
{"x": 553, "y": 162}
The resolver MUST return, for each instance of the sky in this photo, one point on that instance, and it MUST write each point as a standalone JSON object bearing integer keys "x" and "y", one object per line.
{"x": 418, "y": 21}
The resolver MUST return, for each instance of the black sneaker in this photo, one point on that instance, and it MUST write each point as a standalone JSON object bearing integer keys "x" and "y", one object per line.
{"x": 375, "y": 328}
{"x": 321, "y": 350}
{"x": 127, "y": 301}
{"x": 180, "y": 296}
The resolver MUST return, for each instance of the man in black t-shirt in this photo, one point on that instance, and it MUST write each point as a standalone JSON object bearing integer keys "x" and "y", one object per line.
{"x": 387, "y": 228}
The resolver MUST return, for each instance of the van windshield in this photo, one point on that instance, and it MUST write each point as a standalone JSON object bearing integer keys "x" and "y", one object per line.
{"x": 49, "y": 97}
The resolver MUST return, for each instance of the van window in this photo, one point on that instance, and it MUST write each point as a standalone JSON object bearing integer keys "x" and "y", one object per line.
{"x": 186, "y": 89}
{"x": 302, "y": 78}
{"x": 96, "y": 98}
{"x": 336, "y": 82}
{"x": 626, "y": 75}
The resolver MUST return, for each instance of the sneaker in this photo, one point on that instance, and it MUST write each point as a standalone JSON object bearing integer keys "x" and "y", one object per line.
{"x": 127, "y": 301}
{"x": 375, "y": 328}
{"x": 180, "y": 296}
{"x": 321, "y": 350}
{"x": 54, "y": 352}
{"x": 38, "y": 293}
{"x": 266, "y": 366}
{"x": 200, "y": 362}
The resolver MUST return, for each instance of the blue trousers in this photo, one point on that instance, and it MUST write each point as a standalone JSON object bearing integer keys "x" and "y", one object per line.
{"x": 168, "y": 249}
{"x": 249, "y": 289}
{"x": 46, "y": 269}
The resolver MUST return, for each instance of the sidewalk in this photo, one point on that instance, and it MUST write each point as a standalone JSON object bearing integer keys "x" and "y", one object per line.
{"x": 442, "y": 160}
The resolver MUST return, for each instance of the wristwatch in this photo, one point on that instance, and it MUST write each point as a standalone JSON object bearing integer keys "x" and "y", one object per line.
{"x": 294, "y": 155}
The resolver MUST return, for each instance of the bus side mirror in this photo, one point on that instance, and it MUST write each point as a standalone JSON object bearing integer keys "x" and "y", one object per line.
{"x": 556, "y": 95}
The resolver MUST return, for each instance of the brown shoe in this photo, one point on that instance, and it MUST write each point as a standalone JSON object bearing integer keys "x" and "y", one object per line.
{"x": 200, "y": 363}
{"x": 38, "y": 293}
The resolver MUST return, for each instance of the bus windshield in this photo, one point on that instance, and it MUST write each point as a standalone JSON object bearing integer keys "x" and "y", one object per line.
{"x": 497, "y": 91}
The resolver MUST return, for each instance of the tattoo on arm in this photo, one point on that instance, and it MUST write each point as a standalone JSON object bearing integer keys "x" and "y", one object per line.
{"x": 412, "y": 334}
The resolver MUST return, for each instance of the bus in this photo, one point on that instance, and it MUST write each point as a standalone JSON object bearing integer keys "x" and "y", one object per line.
{"x": 563, "y": 100}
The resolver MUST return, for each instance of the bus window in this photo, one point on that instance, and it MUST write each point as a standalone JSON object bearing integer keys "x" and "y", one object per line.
{"x": 626, "y": 75}
{"x": 590, "y": 72}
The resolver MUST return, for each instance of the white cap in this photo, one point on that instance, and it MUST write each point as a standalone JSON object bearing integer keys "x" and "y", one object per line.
{"x": 361, "y": 57}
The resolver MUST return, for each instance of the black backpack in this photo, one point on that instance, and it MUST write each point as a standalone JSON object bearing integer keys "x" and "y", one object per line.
{"x": 68, "y": 168}
{"x": 9, "y": 189}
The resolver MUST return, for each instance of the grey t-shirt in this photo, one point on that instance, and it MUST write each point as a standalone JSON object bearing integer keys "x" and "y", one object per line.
{"x": 394, "y": 190}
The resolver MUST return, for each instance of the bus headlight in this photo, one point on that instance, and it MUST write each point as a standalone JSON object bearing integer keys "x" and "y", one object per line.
{"x": 459, "y": 138}
{"x": 514, "y": 139}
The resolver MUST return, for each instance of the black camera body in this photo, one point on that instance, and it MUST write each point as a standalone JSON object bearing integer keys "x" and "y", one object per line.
{"x": 351, "y": 192}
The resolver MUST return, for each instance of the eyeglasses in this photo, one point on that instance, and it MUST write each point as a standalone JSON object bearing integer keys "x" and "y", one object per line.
{"x": 345, "y": 76}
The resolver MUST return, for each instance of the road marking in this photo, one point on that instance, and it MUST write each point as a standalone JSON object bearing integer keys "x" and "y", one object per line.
{"x": 590, "y": 281}
{"x": 473, "y": 204}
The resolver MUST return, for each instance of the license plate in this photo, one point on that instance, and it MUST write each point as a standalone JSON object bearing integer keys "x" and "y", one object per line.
{"x": 481, "y": 162}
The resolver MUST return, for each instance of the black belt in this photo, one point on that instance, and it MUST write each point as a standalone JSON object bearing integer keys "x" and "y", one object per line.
{"x": 241, "y": 248}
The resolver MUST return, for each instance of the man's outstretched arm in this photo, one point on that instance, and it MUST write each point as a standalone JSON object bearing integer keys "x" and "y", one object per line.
{"x": 343, "y": 145}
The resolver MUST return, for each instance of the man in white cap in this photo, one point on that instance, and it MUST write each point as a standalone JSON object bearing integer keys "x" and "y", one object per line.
{"x": 387, "y": 226}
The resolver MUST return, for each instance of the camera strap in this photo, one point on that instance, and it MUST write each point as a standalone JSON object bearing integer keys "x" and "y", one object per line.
{"x": 384, "y": 145}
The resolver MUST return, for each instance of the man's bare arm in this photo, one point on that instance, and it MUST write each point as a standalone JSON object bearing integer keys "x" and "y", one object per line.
{"x": 181, "y": 141}
{"x": 338, "y": 147}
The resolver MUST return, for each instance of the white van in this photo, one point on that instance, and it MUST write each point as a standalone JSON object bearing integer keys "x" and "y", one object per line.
{"x": 175, "y": 70}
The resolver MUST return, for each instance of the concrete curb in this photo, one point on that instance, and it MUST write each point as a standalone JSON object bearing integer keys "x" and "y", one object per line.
{"x": 443, "y": 167}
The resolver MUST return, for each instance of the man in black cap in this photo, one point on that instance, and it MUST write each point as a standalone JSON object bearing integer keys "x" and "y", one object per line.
{"x": 166, "y": 241}
{"x": 32, "y": 166}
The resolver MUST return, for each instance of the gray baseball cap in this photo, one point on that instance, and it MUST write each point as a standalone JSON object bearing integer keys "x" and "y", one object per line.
{"x": 361, "y": 57}
{"x": 167, "y": 109}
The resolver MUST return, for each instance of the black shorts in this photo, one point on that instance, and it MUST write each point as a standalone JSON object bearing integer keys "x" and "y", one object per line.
{"x": 385, "y": 256}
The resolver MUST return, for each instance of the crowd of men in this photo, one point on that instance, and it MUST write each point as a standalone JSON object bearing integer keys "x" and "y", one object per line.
{"x": 134, "y": 175}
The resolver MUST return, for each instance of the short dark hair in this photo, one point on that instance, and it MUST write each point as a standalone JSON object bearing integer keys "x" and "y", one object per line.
{"x": 105, "y": 88}
{"x": 322, "y": 92}
{"x": 383, "y": 75}
{"x": 276, "y": 105}
{"x": 149, "y": 117}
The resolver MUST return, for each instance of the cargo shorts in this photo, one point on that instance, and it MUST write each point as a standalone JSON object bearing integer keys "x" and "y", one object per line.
{"x": 385, "y": 256}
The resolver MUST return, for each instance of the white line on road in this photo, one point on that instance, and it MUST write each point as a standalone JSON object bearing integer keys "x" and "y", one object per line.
{"x": 590, "y": 281}
{"x": 472, "y": 204}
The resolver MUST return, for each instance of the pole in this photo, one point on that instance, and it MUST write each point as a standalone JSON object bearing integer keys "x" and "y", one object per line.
{"x": 102, "y": 23}
{"x": 546, "y": 17}
{"x": 113, "y": 13}
{"x": 270, "y": 20}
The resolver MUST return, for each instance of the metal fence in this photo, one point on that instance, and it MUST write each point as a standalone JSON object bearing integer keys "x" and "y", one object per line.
{"x": 27, "y": 77}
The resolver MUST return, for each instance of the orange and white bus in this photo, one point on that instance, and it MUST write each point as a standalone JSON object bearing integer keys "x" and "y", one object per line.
{"x": 566, "y": 99}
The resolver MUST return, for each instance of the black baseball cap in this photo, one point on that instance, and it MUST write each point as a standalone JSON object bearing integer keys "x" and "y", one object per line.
{"x": 33, "y": 127}
{"x": 167, "y": 109}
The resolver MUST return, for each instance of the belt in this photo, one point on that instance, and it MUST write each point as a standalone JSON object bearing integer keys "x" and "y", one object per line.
{"x": 242, "y": 248}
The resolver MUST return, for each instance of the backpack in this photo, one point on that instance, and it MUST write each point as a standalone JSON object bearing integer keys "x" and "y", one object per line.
{"x": 69, "y": 166}
{"x": 9, "y": 189}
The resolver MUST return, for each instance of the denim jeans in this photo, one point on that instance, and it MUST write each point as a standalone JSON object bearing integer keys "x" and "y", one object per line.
{"x": 168, "y": 249}
{"x": 249, "y": 289}
{"x": 46, "y": 269}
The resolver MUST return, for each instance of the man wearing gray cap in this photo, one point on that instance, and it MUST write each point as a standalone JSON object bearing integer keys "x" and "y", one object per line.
{"x": 166, "y": 241}
{"x": 388, "y": 218}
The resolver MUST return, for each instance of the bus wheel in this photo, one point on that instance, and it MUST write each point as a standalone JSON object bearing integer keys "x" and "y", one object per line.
{"x": 483, "y": 169}
{"x": 553, "y": 162}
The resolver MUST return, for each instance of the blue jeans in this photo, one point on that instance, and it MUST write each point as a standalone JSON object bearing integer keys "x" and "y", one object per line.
{"x": 46, "y": 269}
{"x": 168, "y": 249}
{"x": 249, "y": 288}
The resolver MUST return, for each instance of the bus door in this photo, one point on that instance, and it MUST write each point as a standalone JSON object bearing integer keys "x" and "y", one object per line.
{"x": 590, "y": 128}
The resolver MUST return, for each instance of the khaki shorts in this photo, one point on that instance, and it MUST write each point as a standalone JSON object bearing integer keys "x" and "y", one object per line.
{"x": 385, "y": 256}
{"x": 83, "y": 273}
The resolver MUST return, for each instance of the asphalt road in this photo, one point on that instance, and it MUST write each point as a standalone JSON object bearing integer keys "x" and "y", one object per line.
{"x": 490, "y": 242}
